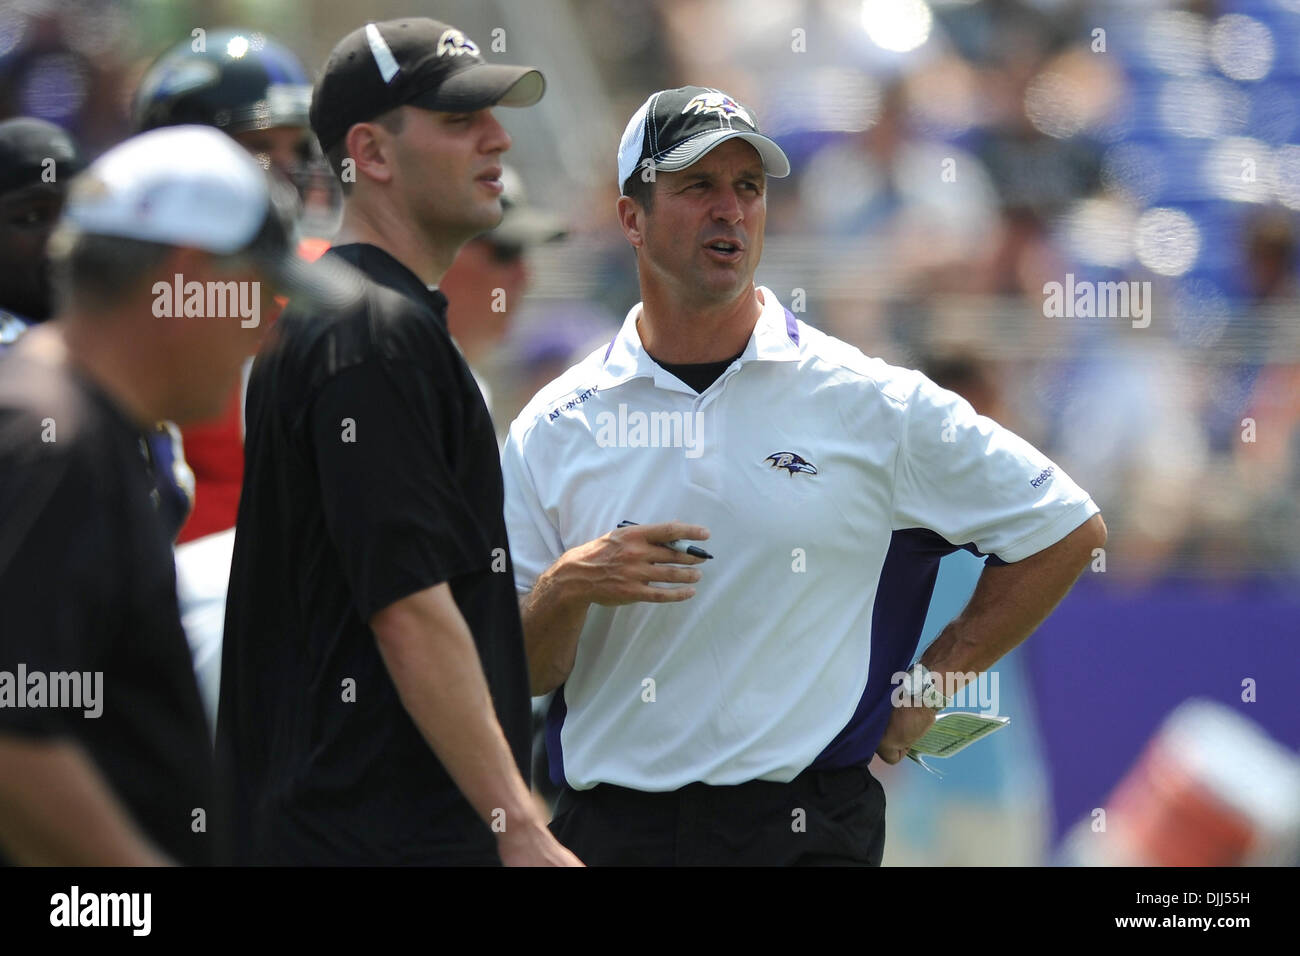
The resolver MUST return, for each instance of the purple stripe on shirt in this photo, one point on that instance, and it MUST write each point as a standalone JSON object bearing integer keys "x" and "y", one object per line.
{"x": 903, "y": 594}
{"x": 554, "y": 724}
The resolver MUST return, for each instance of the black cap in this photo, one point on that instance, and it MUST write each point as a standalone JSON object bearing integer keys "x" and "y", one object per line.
{"x": 25, "y": 145}
{"x": 675, "y": 128}
{"x": 412, "y": 62}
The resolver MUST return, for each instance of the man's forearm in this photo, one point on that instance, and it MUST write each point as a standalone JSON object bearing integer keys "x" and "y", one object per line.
{"x": 1009, "y": 603}
{"x": 553, "y": 617}
{"x": 434, "y": 664}
{"x": 56, "y": 809}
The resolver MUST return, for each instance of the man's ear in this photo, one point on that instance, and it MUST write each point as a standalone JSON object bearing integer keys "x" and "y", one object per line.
{"x": 367, "y": 146}
{"x": 631, "y": 217}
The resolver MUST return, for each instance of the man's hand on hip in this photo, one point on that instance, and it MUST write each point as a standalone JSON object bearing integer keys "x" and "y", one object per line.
{"x": 906, "y": 727}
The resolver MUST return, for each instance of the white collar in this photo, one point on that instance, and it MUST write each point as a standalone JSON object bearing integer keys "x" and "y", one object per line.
{"x": 775, "y": 339}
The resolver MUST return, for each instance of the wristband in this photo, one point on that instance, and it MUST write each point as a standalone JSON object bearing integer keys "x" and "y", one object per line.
{"x": 923, "y": 686}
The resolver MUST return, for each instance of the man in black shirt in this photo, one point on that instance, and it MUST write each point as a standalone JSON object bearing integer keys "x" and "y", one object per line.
{"x": 104, "y": 754}
{"x": 374, "y": 697}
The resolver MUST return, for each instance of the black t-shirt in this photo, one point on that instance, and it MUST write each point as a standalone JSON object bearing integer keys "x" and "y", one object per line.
{"x": 371, "y": 472}
{"x": 88, "y": 603}
{"x": 698, "y": 375}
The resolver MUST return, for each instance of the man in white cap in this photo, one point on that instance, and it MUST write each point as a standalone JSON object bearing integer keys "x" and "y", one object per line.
{"x": 729, "y": 716}
{"x": 171, "y": 245}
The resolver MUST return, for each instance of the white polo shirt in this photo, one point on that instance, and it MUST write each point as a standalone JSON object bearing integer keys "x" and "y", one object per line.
{"x": 831, "y": 483}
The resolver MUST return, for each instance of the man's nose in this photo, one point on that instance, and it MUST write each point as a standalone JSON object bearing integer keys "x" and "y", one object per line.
{"x": 728, "y": 208}
{"x": 495, "y": 137}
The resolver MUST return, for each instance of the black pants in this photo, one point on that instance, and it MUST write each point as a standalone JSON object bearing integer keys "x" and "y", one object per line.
{"x": 821, "y": 818}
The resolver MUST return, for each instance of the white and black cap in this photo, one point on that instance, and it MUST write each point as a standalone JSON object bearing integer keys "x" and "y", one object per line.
{"x": 674, "y": 128}
{"x": 195, "y": 187}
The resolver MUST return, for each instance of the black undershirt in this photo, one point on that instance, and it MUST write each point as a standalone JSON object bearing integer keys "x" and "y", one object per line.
{"x": 699, "y": 375}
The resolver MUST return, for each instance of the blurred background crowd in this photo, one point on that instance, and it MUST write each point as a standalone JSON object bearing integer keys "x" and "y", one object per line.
{"x": 951, "y": 158}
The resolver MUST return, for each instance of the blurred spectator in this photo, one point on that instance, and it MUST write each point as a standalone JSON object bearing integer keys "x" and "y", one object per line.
{"x": 254, "y": 89}
{"x": 37, "y": 161}
{"x": 1267, "y": 466}
{"x": 489, "y": 278}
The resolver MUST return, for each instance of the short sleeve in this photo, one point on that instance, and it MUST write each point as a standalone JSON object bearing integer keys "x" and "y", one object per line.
{"x": 534, "y": 542}
{"x": 970, "y": 480}
{"x": 53, "y": 566}
{"x": 385, "y": 439}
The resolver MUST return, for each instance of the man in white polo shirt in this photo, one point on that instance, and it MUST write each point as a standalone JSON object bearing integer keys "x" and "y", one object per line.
{"x": 724, "y": 710}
